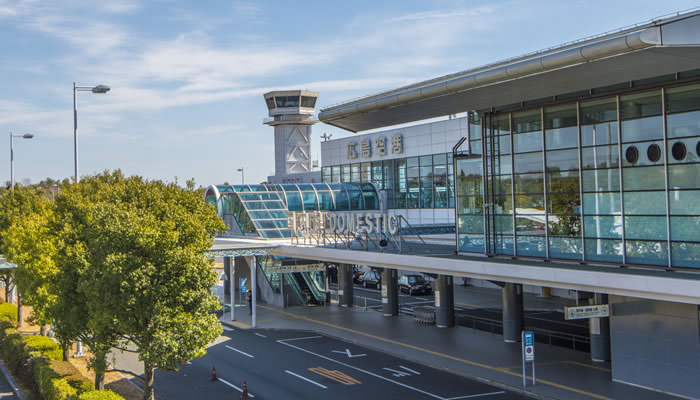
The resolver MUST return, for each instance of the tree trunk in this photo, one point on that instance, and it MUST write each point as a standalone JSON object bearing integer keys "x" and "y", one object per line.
{"x": 66, "y": 352}
{"x": 43, "y": 329}
{"x": 99, "y": 365}
{"x": 20, "y": 317}
{"x": 149, "y": 374}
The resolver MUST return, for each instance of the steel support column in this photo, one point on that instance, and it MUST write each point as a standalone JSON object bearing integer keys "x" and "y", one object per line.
{"x": 390, "y": 292}
{"x": 444, "y": 301}
{"x": 345, "y": 292}
{"x": 512, "y": 312}
{"x": 599, "y": 330}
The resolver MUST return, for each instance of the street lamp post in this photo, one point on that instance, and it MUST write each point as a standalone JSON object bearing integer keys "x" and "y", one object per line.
{"x": 242, "y": 177}
{"x": 12, "y": 156}
{"x": 99, "y": 89}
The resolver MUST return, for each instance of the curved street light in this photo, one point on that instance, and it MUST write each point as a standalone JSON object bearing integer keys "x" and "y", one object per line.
{"x": 12, "y": 156}
{"x": 99, "y": 89}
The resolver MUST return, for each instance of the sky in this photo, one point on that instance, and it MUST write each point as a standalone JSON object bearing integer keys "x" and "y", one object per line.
{"x": 187, "y": 78}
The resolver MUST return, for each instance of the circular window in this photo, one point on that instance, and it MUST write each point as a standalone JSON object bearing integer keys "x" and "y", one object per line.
{"x": 654, "y": 152}
{"x": 632, "y": 154}
{"x": 678, "y": 150}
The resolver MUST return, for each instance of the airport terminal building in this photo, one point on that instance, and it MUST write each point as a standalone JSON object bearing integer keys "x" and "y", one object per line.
{"x": 576, "y": 167}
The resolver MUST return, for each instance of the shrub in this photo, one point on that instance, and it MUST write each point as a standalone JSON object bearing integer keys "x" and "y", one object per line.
{"x": 8, "y": 312}
{"x": 60, "y": 389}
{"x": 45, "y": 345}
{"x": 100, "y": 395}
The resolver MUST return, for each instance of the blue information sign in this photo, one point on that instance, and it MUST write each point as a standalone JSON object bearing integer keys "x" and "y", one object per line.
{"x": 243, "y": 285}
{"x": 529, "y": 338}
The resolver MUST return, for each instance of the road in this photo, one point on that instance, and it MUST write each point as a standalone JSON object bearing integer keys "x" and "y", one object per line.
{"x": 290, "y": 365}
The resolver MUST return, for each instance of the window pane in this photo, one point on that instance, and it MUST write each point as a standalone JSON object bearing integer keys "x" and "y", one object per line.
{"x": 685, "y": 228}
{"x": 524, "y": 142}
{"x": 528, "y": 121}
{"x": 504, "y": 244}
{"x": 685, "y": 202}
{"x": 685, "y": 124}
{"x": 683, "y": 99}
{"x": 645, "y": 150}
{"x": 529, "y": 183}
{"x": 642, "y": 129}
{"x": 529, "y": 162}
{"x": 599, "y": 134}
{"x": 531, "y": 246}
{"x": 598, "y": 111}
{"x": 640, "y": 105}
{"x": 561, "y": 138}
{"x": 562, "y": 160}
{"x": 652, "y": 228}
{"x": 562, "y": 247}
{"x": 564, "y": 225}
{"x": 503, "y": 224}
{"x": 600, "y": 157}
{"x": 604, "y": 250}
{"x": 644, "y": 252}
{"x": 602, "y": 180}
{"x": 601, "y": 203}
{"x": 645, "y": 203}
{"x": 685, "y": 255}
{"x": 603, "y": 227}
{"x": 471, "y": 223}
{"x": 471, "y": 243}
{"x": 643, "y": 178}
{"x": 561, "y": 202}
{"x": 470, "y": 205}
{"x": 684, "y": 176}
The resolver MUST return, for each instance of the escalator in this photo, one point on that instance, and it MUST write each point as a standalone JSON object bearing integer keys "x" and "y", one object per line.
{"x": 305, "y": 291}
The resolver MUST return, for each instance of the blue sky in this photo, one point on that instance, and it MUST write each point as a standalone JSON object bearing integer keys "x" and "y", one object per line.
{"x": 187, "y": 77}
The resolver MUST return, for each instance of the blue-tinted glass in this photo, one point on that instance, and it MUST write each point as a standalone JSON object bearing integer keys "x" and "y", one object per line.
{"x": 645, "y": 203}
{"x": 325, "y": 200}
{"x": 529, "y": 162}
{"x": 355, "y": 199}
{"x": 310, "y": 203}
{"x": 255, "y": 205}
{"x": 275, "y": 205}
{"x": 470, "y": 224}
{"x": 561, "y": 138}
{"x": 562, "y": 160}
{"x": 342, "y": 203}
{"x": 471, "y": 243}
{"x": 601, "y": 203}
{"x": 643, "y": 178}
{"x": 503, "y": 244}
{"x": 682, "y": 125}
{"x": 645, "y": 228}
{"x": 249, "y": 196}
{"x": 260, "y": 215}
{"x": 644, "y": 149}
{"x": 278, "y": 214}
{"x": 563, "y": 247}
{"x": 636, "y": 130}
{"x": 528, "y": 183}
{"x": 646, "y": 252}
{"x": 685, "y": 176}
{"x": 524, "y": 142}
{"x": 604, "y": 250}
{"x": 684, "y": 202}
{"x": 599, "y": 134}
{"x": 600, "y": 157}
{"x": 603, "y": 227}
{"x": 601, "y": 180}
{"x": 685, "y": 255}
{"x": 264, "y": 224}
{"x": 529, "y": 203}
{"x": 503, "y": 224}
{"x": 530, "y": 224}
{"x": 531, "y": 246}
{"x": 685, "y": 229}
{"x": 294, "y": 201}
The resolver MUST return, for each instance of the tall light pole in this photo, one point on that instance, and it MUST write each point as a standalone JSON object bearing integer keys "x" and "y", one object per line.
{"x": 12, "y": 156}
{"x": 99, "y": 89}
{"x": 242, "y": 177}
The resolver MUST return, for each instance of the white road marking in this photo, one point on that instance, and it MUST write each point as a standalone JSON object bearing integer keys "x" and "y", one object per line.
{"x": 260, "y": 334}
{"x": 473, "y": 396}
{"x": 306, "y": 379}
{"x": 300, "y": 338}
{"x": 347, "y": 352}
{"x": 409, "y": 370}
{"x": 363, "y": 371}
{"x": 242, "y": 352}
{"x": 226, "y": 328}
{"x": 420, "y": 298}
{"x": 225, "y": 382}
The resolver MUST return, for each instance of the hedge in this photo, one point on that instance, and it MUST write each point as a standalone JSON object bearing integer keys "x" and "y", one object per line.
{"x": 53, "y": 378}
{"x": 8, "y": 312}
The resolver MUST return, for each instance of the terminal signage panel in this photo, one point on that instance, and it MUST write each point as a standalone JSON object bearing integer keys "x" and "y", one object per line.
{"x": 583, "y": 312}
{"x": 529, "y": 343}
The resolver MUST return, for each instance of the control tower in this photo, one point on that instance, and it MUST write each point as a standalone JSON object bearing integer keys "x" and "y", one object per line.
{"x": 291, "y": 114}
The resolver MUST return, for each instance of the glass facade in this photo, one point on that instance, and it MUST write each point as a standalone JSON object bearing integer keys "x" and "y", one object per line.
{"x": 611, "y": 179}
{"x": 412, "y": 182}
{"x": 263, "y": 209}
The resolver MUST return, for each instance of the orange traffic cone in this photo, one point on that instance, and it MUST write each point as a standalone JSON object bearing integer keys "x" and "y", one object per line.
{"x": 213, "y": 372}
{"x": 244, "y": 393}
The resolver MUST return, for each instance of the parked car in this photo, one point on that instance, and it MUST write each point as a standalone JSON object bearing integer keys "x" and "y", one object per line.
{"x": 372, "y": 279}
{"x": 414, "y": 284}
{"x": 357, "y": 275}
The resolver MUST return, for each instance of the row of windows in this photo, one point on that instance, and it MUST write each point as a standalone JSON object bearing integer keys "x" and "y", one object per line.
{"x": 290, "y": 101}
{"x": 413, "y": 182}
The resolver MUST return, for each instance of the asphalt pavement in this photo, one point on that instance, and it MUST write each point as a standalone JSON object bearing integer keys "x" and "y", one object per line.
{"x": 292, "y": 364}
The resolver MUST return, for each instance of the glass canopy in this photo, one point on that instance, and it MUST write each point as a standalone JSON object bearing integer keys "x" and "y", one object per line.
{"x": 262, "y": 209}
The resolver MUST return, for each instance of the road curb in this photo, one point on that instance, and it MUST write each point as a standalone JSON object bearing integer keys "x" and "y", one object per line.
{"x": 11, "y": 381}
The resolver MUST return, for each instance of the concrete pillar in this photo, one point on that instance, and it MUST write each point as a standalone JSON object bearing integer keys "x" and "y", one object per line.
{"x": 444, "y": 301}
{"x": 599, "y": 330}
{"x": 390, "y": 292}
{"x": 227, "y": 275}
{"x": 252, "y": 261}
{"x": 345, "y": 292}
{"x": 512, "y": 312}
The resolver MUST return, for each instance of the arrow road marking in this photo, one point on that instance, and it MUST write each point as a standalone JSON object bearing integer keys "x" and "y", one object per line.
{"x": 400, "y": 374}
{"x": 347, "y": 352}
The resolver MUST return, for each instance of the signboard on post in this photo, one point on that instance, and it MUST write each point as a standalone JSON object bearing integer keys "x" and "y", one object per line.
{"x": 528, "y": 349}
{"x": 584, "y": 312}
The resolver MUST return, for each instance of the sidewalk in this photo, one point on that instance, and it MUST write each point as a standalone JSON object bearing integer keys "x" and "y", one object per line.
{"x": 561, "y": 373}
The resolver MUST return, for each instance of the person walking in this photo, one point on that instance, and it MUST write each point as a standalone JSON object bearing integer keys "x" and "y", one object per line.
{"x": 249, "y": 299}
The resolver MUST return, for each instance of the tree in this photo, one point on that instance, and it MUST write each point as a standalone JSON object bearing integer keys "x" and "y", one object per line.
{"x": 141, "y": 266}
